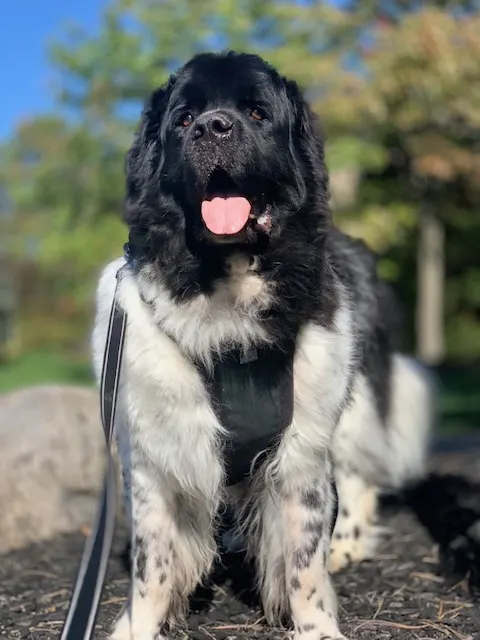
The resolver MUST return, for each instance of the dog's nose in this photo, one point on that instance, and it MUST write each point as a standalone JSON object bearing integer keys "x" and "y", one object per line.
{"x": 221, "y": 124}
{"x": 215, "y": 125}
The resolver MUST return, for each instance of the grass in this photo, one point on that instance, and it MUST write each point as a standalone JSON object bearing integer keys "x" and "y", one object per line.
{"x": 41, "y": 367}
{"x": 460, "y": 386}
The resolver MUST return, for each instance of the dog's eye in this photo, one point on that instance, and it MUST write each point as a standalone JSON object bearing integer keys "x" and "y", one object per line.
{"x": 257, "y": 113}
{"x": 186, "y": 119}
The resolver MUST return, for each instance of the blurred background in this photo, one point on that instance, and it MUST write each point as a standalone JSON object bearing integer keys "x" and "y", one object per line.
{"x": 397, "y": 85}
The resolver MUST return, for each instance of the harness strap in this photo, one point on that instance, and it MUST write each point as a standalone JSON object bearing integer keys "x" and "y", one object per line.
{"x": 80, "y": 620}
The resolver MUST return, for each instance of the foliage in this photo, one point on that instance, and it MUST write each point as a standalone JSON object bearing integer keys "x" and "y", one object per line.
{"x": 395, "y": 82}
{"x": 418, "y": 101}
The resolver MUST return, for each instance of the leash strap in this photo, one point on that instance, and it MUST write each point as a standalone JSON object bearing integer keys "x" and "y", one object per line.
{"x": 80, "y": 620}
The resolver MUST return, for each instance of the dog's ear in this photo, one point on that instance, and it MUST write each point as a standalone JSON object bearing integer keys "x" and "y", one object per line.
{"x": 308, "y": 136}
{"x": 144, "y": 157}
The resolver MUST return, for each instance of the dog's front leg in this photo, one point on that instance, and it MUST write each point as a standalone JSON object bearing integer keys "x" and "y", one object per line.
{"x": 290, "y": 533}
{"x": 307, "y": 516}
{"x": 172, "y": 548}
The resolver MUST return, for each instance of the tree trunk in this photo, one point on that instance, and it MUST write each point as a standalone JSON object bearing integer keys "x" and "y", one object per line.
{"x": 430, "y": 334}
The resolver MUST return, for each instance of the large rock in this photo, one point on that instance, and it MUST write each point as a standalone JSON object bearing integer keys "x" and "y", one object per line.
{"x": 52, "y": 457}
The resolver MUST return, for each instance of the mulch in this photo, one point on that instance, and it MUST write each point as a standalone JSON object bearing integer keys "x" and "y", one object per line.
{"x": 401, "y": 595}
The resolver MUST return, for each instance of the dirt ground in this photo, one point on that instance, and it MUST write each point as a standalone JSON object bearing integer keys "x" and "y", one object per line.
{"x": 401, "y": 595}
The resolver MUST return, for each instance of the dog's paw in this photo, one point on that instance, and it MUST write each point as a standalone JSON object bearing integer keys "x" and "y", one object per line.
{"x": 354, "y": 540}
{"x": 315, "y": 634}
{"x": 321, "y": 628}
{"x": 351, "y": 550}
{"x": 123, "y": 630}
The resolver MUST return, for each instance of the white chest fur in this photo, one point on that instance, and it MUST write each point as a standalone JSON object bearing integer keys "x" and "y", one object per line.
{"x": 164, "y": 406}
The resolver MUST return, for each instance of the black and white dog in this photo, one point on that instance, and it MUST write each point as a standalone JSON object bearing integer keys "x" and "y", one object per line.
{"x": 258, "y": 367}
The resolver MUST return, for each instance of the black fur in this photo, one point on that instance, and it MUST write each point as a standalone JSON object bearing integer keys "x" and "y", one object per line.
{"x": 278, "y": 164}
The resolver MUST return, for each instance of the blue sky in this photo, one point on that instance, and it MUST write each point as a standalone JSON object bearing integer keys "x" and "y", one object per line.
{"x": 26, "y": 26}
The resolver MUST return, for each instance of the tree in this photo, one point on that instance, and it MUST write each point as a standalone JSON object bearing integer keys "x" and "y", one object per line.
{"x": 395, "y": 83}
{"x": 65, "y": 194}
{"x": 417, "y": 101}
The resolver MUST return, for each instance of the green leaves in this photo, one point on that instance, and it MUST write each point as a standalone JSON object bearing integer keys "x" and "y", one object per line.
{"x": 396, "y": 84}
{"x": 353, "y": 151}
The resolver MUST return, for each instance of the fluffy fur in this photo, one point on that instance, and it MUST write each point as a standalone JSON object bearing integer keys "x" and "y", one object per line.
{"x": 360, "y": 412}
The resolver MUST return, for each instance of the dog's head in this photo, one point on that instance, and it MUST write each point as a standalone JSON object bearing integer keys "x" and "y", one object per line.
{"x": 227, "y": 153}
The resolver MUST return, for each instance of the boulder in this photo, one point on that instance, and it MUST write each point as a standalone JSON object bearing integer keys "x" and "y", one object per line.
{"x": 52, "y": 460}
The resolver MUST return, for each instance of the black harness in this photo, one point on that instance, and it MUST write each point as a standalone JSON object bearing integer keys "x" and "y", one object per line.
{"x": 252, "y": 395}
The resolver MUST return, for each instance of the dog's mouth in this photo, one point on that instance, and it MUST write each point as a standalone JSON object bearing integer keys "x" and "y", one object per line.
{"x": 227, "y": 212}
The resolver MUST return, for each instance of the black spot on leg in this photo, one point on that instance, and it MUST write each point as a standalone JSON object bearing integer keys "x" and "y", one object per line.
{"x": 163, "y": 578}
{"x": 302, "y": 557}
{"x": 156, "y": 536}
{"x": 312, "y": 499}
{"x": 319, "y": 604}
{"x": 314, "y": 526}
{"x": 312, "y": 593}
{"x": 295, "y": 583}
{"x": 356, "y": 533}
{"x": 308, "y": 627}
{"x": 345, "y": 513}
{"x": 337, "y": 536}
{"x": 348, "y": 558}
{"x": 140, "y": 558}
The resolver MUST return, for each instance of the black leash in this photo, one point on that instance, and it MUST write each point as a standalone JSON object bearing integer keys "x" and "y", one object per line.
{"x": 80, "y": 620}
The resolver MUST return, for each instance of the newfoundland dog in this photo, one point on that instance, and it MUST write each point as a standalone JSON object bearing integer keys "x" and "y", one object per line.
{"x": 259, "y": 370}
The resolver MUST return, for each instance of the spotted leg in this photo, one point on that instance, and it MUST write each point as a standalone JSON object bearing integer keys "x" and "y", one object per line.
{"x": 307, "y": 519}
{"x": 293, "y": 539}
{"x": 172, "y": 547}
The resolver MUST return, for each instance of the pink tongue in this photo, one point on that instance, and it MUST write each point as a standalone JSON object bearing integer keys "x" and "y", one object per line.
{"x": 225, "y": 216}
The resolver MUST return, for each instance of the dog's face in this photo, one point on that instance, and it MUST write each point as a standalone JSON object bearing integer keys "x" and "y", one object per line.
{"x": 226, "y": 153}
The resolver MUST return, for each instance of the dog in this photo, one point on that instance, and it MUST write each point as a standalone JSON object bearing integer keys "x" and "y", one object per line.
{"x": 259, "y": 364}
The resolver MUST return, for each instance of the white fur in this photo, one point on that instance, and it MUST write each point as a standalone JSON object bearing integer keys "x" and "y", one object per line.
{"x": 371, "y": 455}
{"x": 207, "y": 324}
{"x": 163, "y": 402}
{"x": 323, "y": 367}
{"x": 411, "y": 420}
{"x": 388, "y": 455}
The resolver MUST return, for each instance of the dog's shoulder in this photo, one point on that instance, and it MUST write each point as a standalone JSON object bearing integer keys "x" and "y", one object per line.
{"x": 106, "y": 284}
